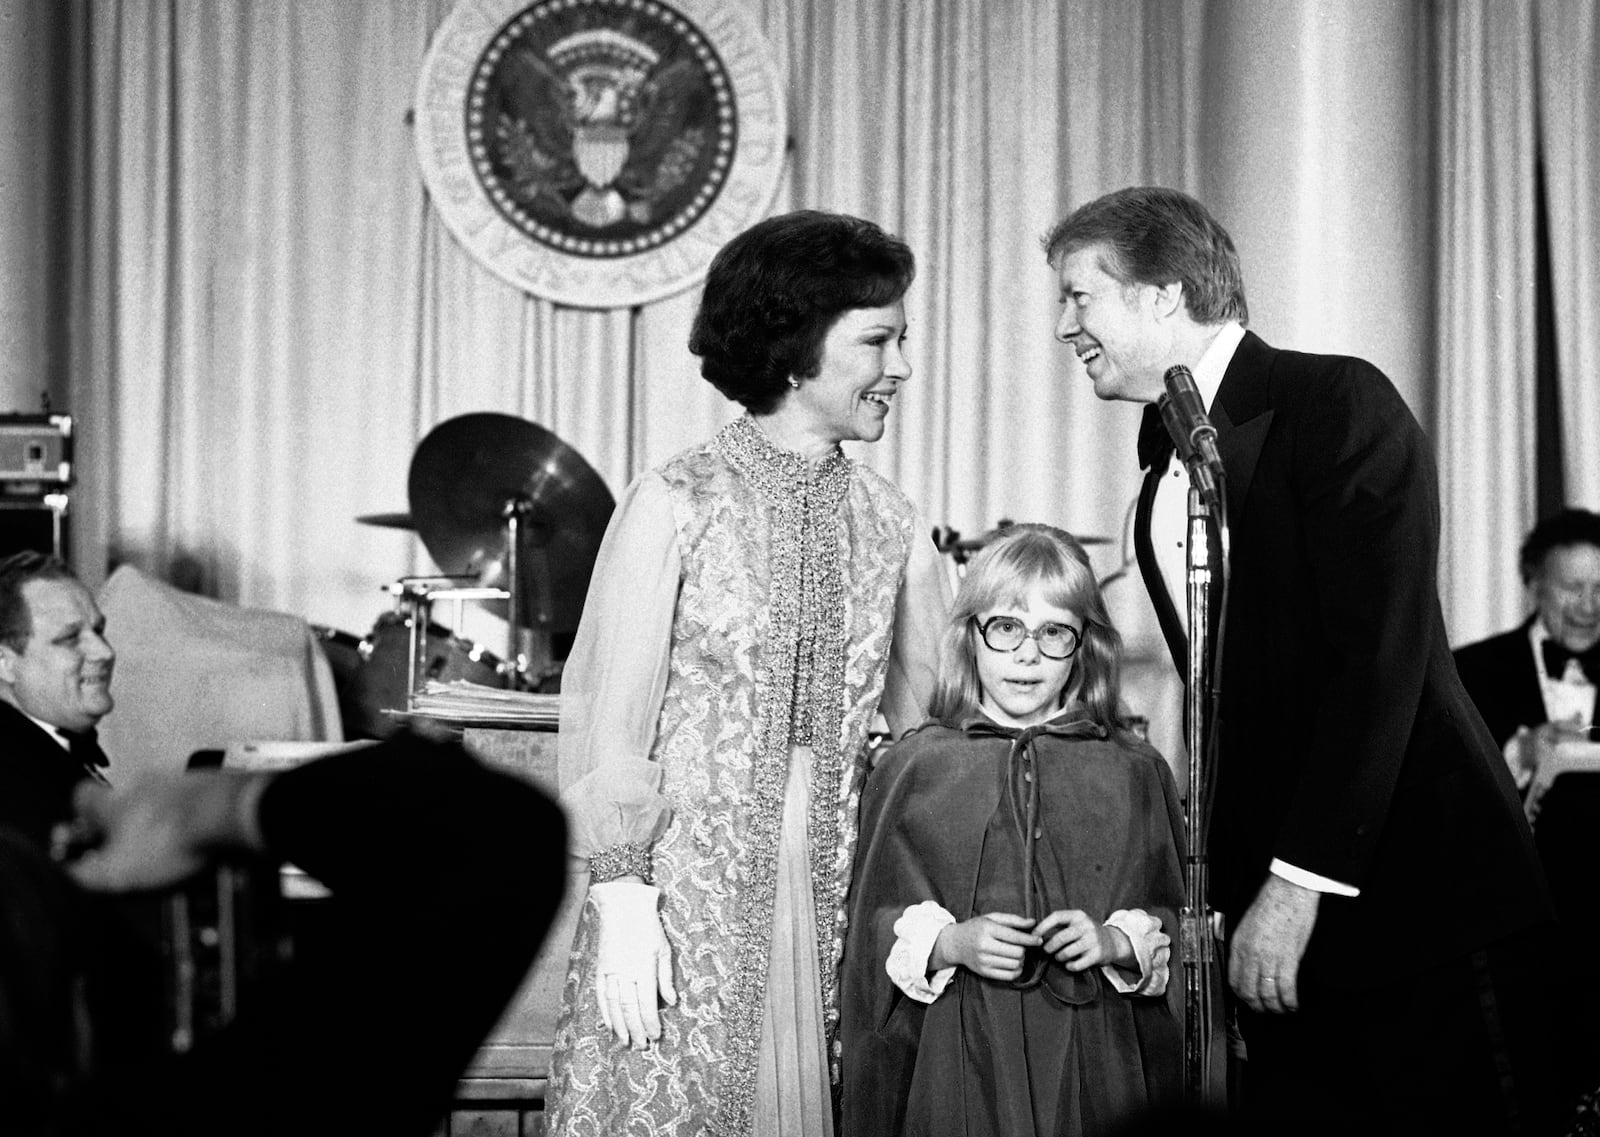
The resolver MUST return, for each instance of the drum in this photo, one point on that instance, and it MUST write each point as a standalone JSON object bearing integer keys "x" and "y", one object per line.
{"x": 343, "y": 652}
{"x": 370, "y": 673}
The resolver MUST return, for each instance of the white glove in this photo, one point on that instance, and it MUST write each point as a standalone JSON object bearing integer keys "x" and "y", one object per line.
{"x": 633, "y": 963}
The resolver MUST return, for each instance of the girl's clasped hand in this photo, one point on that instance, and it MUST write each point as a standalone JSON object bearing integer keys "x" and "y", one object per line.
{"x": 995, "y": 945}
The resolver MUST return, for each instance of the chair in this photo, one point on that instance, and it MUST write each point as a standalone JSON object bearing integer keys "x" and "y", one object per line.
{"x": 194, "y": 673}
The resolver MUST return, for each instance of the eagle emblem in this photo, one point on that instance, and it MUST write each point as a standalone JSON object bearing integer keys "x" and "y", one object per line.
{"x": 597, "y": 153}
{"x": 608, "y": 129}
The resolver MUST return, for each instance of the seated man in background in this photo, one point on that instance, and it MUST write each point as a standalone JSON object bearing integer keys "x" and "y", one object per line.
{"x": 444, "y": 876}
{"x": 1534, "y": 686}
{"x": 55, "y": 685}
{"x": 1539, "y": 678}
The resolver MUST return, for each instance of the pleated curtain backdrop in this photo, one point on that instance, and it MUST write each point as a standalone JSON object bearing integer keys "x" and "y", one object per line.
{"x": 267, "y": 316}
{"x": 1515, "y": 81}
{"x": 1569, "y": 108}
{"x": 1485, "y": 397}
{"x": 272, "y": 316}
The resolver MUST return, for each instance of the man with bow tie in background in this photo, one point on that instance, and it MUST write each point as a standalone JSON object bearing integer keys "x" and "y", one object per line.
{"x": 1541, "y": 677}
{"x": 55, "y": 685}
{"x": 1386, "y": 917}
{"x": 1535, "y": 687}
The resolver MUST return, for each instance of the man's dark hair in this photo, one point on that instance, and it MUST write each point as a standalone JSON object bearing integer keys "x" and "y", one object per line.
{"x": 1569, "y": 527}
{"x": 1158, "y": 236}
{"x": 16, "y": 622}
{"x": 773, "y": 292}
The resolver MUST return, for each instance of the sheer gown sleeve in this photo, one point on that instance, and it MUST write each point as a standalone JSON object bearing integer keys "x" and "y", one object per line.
{"x": 921, "y": 612}
{"x": 613, "y": 683}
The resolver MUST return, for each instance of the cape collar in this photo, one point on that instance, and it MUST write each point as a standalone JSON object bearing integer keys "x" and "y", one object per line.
{"x": 1072, "y": 722}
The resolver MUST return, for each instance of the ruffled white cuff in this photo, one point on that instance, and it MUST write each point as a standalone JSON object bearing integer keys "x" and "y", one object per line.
{"x": 915, "y": 931}
{"x": 1152, "y": 948}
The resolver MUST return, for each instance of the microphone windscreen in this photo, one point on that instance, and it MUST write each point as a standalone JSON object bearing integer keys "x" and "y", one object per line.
{"x": 1183, "y": 390}
{"x": 1177, "y": 429}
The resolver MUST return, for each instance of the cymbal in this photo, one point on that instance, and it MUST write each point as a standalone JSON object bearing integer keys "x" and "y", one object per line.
{"x": 388, "y": 520}
{"x": 947, "y": 540}
{"x": 464, "y": 476}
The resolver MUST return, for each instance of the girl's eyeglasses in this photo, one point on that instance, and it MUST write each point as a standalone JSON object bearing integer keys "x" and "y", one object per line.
{"x": 1006, "y": 633}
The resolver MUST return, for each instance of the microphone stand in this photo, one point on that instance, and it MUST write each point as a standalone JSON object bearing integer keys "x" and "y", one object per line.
{"x": 1202, "y": 691}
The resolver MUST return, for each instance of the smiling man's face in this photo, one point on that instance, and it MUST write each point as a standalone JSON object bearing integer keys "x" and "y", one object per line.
{"x": 1112, "y": 327}
{"x": 62, "y": 675}
{"x": 1567, "y": 591}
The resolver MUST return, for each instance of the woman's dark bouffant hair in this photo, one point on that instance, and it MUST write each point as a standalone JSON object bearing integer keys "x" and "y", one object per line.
{"x": 773, "y": 292}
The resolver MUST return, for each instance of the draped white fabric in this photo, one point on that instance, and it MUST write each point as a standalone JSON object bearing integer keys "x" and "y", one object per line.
{"x": 1485, "y": 400}
{"x": 1515, "y": 80}
{"x": 272, "y": 316}
{"x": 267, "y": 316}
{"x": 1569, "y": 107}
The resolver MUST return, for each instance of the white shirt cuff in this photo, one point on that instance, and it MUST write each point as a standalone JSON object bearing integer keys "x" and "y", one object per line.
{"x": 1151, "y": 947}
{"x": 1311, "y": 880}
{"x": 915, "y": 931}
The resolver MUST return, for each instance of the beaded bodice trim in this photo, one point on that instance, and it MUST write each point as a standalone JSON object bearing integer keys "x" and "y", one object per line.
{"x": 803, "y": 705}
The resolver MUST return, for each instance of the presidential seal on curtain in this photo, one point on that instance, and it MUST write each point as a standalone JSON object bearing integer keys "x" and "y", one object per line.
{"x": 597, "y": 153}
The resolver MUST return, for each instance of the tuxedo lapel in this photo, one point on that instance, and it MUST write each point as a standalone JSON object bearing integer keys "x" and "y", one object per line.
{"x": 1525, "y": 691}
{"x": 1173, "y": 623}
{"x": 1242, "y": 414}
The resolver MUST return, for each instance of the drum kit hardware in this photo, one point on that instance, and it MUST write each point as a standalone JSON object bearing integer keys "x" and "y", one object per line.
{"x": 959, "y": 549}
{"x": 507, "y": 502}
{"x": 513, "y": 517}
{"x": 389, "y": 520}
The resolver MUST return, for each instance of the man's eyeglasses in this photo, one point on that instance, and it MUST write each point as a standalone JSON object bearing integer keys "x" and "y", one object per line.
{"x": 1006, "y": 633}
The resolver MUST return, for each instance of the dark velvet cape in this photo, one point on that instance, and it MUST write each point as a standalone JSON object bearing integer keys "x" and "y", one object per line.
{"x": 937, "y": 816}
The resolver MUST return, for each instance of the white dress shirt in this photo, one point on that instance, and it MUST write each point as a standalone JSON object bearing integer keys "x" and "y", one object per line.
{"x": 51, "y": 729}
{"x": 1568, "y": 697}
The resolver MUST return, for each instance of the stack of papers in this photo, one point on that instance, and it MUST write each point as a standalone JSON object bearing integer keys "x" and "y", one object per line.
{"x": 460, "y": 701}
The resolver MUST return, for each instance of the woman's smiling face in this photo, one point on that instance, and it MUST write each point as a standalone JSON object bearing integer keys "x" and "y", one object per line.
{"x": 863, "y": 365}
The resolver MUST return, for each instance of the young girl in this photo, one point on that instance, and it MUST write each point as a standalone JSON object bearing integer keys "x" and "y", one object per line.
{"x": 1018, "y": 877}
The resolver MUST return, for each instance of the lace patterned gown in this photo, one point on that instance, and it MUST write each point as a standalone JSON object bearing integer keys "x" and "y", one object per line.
{"x": 749, "y": 612}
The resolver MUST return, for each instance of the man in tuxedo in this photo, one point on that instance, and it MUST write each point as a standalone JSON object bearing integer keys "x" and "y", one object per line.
{"x": 55, "y": 685}
{"x": 1544, "y": 672}
{"x": 1387, "y": 918}
{"x": 1536, "y": 685}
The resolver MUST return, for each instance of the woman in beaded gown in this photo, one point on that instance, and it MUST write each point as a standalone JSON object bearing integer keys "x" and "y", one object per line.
{"x": 756, "y": 601}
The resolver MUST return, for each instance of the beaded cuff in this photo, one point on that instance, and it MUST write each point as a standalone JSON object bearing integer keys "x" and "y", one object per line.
{"x": 627, "y": 858}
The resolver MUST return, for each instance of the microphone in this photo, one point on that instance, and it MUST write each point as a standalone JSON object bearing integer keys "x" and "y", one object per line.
{"x": 1184, "y": 413}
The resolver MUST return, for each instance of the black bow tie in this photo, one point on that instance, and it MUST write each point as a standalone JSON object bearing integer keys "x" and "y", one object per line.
{"x": 84, "y": 746}
{"x": 1155, "y": 444}
{"x": 1556, "y": 655}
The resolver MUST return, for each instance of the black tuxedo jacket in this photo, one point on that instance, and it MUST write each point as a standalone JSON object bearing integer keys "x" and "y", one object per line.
{"x": 37, "y": 777}
{"x": 1348, "y": 746}
{"x": 1503, "y": 679}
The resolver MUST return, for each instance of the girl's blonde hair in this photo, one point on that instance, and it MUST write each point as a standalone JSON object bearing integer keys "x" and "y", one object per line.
{"x": 1002, "y": 575}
